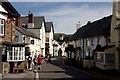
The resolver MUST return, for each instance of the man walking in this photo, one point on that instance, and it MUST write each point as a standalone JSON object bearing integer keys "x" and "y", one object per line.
{"x": 49, "y": 58}
{"x": 29, "y": 61}
{"x": 35, "y": 62}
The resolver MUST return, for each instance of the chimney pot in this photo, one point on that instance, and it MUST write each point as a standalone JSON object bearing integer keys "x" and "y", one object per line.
{"x": 30, "y": 17}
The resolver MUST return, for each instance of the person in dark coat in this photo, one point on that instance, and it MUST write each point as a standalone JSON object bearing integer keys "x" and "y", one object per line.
{"x": 35, "y": 62}
{"x": 49, "y": 58}
{"x": 29, "y": 61}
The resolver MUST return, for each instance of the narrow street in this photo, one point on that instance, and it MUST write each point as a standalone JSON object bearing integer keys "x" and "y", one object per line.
{"x": 59, "y": 71}
{"x": 55, "y": 71}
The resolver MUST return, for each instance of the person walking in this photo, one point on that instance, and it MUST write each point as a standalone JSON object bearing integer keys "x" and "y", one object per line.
{"x": 39, "y": 61}
{"x": 49, "y": 59}
{"x": 35, "y": 62}
{"x": 29, "y": 61}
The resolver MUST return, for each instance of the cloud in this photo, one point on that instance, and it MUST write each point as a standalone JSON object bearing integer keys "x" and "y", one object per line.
{"x": 66, "y": 17}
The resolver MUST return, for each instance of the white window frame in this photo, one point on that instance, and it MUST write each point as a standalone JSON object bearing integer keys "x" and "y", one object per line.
{"x": 2, "y": 27}
{"x": 17, "y": 54}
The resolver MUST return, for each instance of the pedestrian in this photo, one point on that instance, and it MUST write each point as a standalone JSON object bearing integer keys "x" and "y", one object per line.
{"x": 49, "y": 58}
{"x": 39, "y": 61}
{"x": 29, "y": 61}
{"x": 35, "y": 62}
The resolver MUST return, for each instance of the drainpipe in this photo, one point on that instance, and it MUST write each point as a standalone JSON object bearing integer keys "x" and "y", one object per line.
{"x": 83, "y": 50}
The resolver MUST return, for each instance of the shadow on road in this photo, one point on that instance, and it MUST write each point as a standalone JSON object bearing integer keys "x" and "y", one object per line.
{"x": 75, "y": 73}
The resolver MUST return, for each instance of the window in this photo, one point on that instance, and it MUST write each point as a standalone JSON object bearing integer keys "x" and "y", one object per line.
{"x": 100, "y": 57}
{"x": 2, "y": 25}
{"x": 16, "y": 38}
{"x": 15, "y": 54}
{"x": 105, "y": 58}
{"x": 109, "y": 59}
{"x": 47, "y": 39}
{"x": 32, "y": 41}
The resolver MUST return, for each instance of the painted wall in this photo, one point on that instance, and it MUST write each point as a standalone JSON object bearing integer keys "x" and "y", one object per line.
{"x": 42, "y": 37}
{"x": 34, "y": 48}
{"x": 3, "y": 10}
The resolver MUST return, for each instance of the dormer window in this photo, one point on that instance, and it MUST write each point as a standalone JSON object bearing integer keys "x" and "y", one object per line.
{"x": 2, "y": 27}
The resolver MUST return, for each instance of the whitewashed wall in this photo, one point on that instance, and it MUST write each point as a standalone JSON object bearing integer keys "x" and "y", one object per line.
{"x": 34, "y": 48}
{"x": 42, "y": 37}
{"x": 3, "y": 10}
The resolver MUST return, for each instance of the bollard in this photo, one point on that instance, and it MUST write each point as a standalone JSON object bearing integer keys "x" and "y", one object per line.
{"x": 36, "y": 75}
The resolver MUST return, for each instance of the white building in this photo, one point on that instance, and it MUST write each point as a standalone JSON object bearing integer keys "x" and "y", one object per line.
{"x": 49, "y": 31}
{"x": 36, "y": 24}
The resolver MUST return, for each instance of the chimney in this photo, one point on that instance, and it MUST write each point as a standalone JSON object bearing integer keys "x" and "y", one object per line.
{"x": 88, "y": 22}
{"x": 61, "y": 37}
{"x": 30, "y": 20}
{"x": 30, "y": 17}
{"x": 77, "y": 25}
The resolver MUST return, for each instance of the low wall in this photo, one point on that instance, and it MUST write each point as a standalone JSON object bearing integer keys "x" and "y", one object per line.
{"x": 88, "y": 63}
{"x": 5, "y": 67}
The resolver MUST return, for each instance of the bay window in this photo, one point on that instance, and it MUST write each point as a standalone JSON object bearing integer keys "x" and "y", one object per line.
{"x": 15, "y": 54}
{"x": 105, "y": 58}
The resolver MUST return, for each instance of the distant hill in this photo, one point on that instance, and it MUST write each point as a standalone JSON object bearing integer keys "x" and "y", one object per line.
{"x": 58, "y": 35}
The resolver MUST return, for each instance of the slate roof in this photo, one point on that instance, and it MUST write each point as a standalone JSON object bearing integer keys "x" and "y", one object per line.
{"x": 48, "y": 26}
{"x": 26, "y": 32}
{"x": 96, "y": 28}
{"x": 38, "y": 20}
{"x": 9, "y": 8}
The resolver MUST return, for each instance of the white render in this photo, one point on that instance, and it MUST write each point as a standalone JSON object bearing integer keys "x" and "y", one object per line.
{"x": 42, "y": 37}
{"x": 89, "y": 44}
{"x": 3, "y": 10}
{"x": 50, "y": 36}
{"x": 34, "y": 48}
{"x": 56, "y": 48}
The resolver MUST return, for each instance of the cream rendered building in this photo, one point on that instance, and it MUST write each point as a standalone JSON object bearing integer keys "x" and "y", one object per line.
{"x": 115, "y": 32}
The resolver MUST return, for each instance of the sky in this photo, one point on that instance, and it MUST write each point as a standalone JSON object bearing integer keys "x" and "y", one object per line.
{"x": 65, "y": 15}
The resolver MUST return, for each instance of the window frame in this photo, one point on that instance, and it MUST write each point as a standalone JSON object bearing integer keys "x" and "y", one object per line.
{"x": 2, "y": 34}
{"x": 15, "y": 54}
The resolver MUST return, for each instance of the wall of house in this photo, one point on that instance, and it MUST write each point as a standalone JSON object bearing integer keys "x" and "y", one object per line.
{"x": 34, "y": 48}
{"x": 20, "y": 36}
{"x": 97, "y": 40}
{"x": 114, "y": 33}
{"x": 42, "y": 37}
{"x": 51, "y": 41}
{"x": 56, "y": 48}
{"x": 7, "y": 31}
{"x": 3, "y": 10}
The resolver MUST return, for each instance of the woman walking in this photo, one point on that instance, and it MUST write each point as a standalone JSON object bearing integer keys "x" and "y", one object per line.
{"x": 39, "y": 61}
{"x": 35, "y": 62}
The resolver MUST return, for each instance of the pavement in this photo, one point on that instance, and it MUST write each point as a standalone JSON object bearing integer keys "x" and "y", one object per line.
{"x": 60, "y": 71}
{"x": 18, "y": 76}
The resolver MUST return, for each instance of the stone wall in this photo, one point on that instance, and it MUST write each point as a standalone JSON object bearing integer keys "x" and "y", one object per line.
{"x": 6, "y": 67}
{"x": 9, "y": 32}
